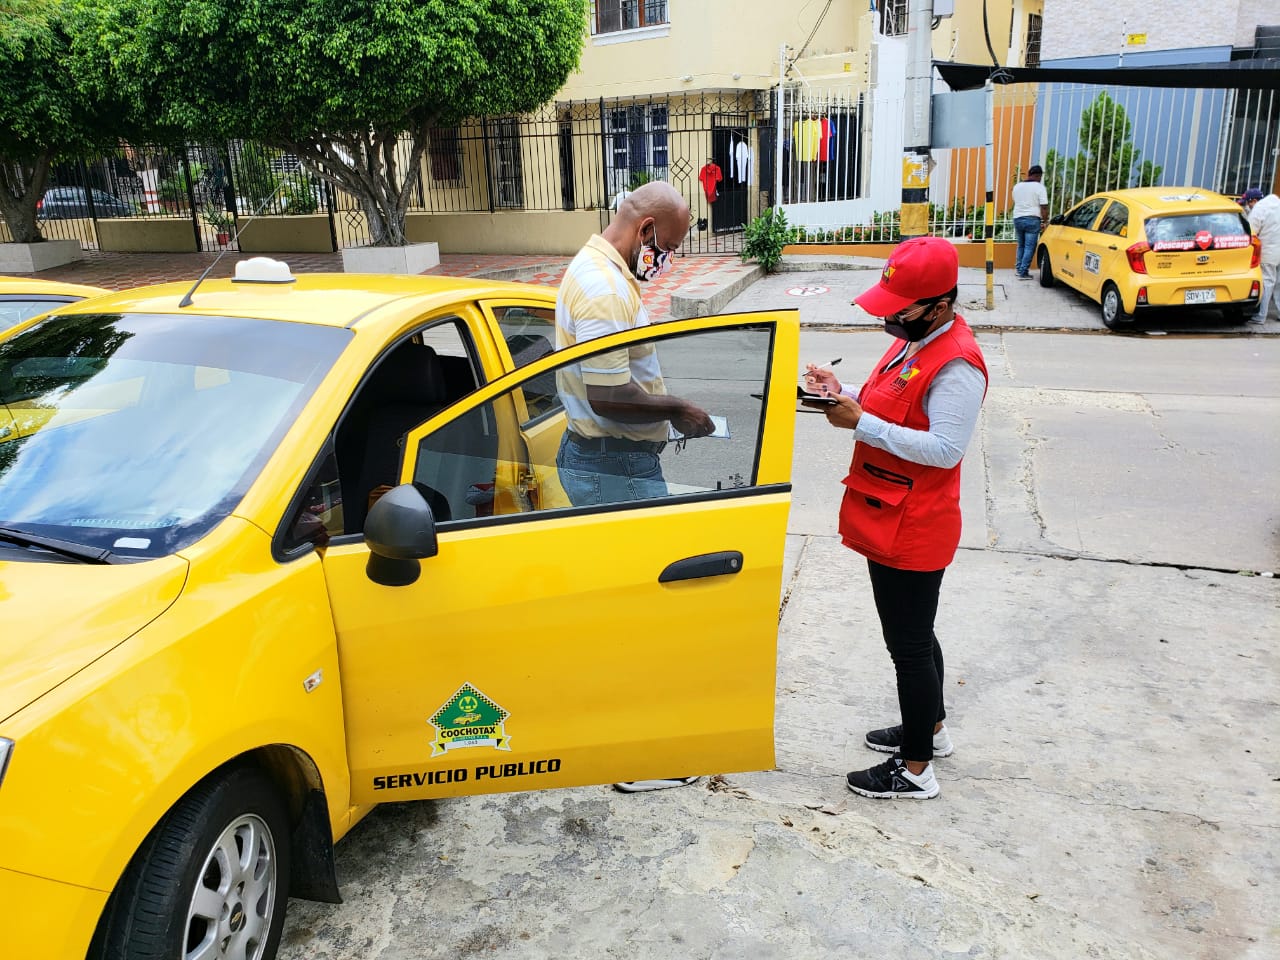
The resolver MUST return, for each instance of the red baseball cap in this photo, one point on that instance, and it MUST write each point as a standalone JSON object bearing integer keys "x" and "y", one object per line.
{"x": 918, "y": 269}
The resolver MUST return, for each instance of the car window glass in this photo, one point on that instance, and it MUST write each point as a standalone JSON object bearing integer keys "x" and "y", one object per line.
{"x": 409, "y": 383}
{"x": 13, "y": 312}
{"x": 1084, "y": 215}
{"x": 1115, "y": 221}
{"x": 1185, "y": 231}
{"x": 530, "y": 333}
{"x": 492, "y": 461}
{"x": 319, "y": 515}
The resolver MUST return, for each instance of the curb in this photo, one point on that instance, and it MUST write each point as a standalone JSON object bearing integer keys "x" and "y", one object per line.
{"x": 522, "y": 274}
{"x": 684, "y": 307}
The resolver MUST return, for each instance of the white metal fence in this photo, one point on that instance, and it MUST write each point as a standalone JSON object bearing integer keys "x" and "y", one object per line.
{"x": 1088, "y": 138}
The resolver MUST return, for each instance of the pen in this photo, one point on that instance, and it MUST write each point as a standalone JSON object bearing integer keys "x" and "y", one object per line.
{"x": 830, "y": 363}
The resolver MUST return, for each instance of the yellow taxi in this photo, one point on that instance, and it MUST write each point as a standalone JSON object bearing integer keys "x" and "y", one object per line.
{"x": 1155, "y": 247}
{"x": 283, "y": 547}
{"x": 22, "y": 298}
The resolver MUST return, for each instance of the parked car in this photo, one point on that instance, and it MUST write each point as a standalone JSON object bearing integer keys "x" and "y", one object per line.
{"x": 293, "y": 546}
{"x": 22, "y": 298}
{"x": 64, "y": 203}
{"x": 1131, "y": 250}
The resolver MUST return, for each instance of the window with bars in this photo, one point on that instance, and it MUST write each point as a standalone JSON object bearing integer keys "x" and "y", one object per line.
{"x": 637, "y": 144}
{"x": 445, "y": 150}
{"x": 1032, "y": 57}
{"x": 893, "y": 18}
{"x": 612, "y": 16}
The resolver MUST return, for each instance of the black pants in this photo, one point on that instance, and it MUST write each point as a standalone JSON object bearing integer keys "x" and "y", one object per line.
{"x": 907, "y": 601}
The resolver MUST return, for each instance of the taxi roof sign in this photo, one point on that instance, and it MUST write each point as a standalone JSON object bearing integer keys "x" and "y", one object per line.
{"x": 262, "y": 270}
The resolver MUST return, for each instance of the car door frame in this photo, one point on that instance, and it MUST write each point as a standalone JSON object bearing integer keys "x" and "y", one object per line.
{"x": 1071, "y": 269}
{"x": 750, "y": 747}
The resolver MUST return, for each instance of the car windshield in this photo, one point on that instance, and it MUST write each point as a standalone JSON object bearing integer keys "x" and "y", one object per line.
{"x": 138, "y": 433}
{"x": 1187, "y": 231}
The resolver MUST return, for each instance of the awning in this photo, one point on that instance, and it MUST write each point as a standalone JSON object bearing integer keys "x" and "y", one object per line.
{"x": 1228, "y": 75}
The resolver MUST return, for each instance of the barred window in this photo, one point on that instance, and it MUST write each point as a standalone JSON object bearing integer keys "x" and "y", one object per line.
{"x": 614, "y": 15}
{"x": 893, "y": 18}
{"x": 1034, "y": 22}
{"x": 445, "y": 151}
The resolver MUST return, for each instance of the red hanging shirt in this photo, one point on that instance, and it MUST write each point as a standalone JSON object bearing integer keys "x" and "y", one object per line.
{"x": 710, "y": 175}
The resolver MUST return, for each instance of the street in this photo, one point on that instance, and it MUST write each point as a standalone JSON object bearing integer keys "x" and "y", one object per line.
{"x": 1111, "y": 685}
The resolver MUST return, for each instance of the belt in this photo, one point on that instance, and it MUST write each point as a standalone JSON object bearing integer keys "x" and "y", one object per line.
{"x": 615, "y": 444}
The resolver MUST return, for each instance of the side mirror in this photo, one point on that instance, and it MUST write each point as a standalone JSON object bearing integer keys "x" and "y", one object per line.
{"x": 400, "y": 530}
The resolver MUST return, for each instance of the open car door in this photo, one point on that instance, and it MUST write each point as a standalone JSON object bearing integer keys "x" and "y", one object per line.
{"x": 552, "y": 645}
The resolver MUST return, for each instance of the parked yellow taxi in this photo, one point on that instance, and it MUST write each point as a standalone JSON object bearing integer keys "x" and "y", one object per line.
{"x": 1155, "y": 247}
{"x": 288, "y": 546}
{"x": 22, "y": 298}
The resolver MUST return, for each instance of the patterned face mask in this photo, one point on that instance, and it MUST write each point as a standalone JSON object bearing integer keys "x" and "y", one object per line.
{"x": 653, "y": 261}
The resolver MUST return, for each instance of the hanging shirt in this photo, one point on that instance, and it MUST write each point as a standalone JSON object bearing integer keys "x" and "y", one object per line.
{"x": 824, "y": 139}
{"x": 807, "y": 134}
{"x": 709, "y": 176}
{"x": 742, "y": 161}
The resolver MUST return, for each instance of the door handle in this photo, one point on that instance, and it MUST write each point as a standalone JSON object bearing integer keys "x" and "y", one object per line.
{"x": 706, "y": 565}
{"x": 1113, "y": 248}
{"x": 1079, "y": 243}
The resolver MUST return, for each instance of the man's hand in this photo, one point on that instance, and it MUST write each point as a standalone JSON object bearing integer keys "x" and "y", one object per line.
{"x": 815, "y": 378}
{"x": 845, "y": 412}
{"x": 693, "y": 421}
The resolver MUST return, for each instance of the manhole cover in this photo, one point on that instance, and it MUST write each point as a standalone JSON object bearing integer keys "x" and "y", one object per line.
{"x": 807, "y": 291}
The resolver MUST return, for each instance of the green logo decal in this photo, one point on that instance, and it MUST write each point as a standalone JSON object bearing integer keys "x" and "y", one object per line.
{"x": 469, "y": 719}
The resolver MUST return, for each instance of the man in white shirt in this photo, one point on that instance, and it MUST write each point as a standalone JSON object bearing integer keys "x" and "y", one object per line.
{"x": 1030, "y": 216}
{"x": 1264, "y": 220}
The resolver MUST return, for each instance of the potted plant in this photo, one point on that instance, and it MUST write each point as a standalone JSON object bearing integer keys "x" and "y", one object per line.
{"x": 223, "y": 223}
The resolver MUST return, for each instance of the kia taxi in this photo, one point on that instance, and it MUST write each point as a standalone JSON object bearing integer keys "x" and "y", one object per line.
{"x": 1131, "y": 250}
{"x": 22, "y": 298}
{"x": 278, "y": 548}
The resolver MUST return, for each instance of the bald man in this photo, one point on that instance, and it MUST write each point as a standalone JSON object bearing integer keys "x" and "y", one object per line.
{"x": 617, "y": 406}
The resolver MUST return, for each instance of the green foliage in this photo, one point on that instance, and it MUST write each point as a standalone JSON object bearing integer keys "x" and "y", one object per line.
{"x": 764, "y": 238}
{"x": 1106, "y": 159}
{"x": 50, "y": 106}
{"x": 255, "y": 179}
{"x": 337, "y": 83}
{"x": 299, "y": 197}
{"x": 639, "y": 178}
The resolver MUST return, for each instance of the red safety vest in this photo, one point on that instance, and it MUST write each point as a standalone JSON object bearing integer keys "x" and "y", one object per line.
{"x": 898, "y": 513}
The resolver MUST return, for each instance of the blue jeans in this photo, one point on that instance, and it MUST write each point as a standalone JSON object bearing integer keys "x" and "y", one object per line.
{"x": 1027, "y": 230}
{"x": 607, "y": 471}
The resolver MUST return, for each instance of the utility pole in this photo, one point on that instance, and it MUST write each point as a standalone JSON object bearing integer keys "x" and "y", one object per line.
{"x": 916, "y": 160}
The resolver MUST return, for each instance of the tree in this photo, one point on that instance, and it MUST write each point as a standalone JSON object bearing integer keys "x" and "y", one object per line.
{"x": 338, "y": 82}
{"x": 48, "y": 111}
{"x": 1105, "y": 161}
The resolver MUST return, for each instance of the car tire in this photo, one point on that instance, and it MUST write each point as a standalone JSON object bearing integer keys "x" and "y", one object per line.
{"x": 222, "y": 850}
{"x": 1046, "y": 268}
{"x": 1113, "y": 315}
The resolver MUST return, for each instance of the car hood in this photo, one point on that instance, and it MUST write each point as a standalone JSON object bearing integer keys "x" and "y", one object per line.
{"x": 59, "y": 617}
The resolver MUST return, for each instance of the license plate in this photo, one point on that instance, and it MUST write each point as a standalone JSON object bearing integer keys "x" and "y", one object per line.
{"x": 1200, "y": 296}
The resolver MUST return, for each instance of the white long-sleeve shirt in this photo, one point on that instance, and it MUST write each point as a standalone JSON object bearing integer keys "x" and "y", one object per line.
{"x": 1264, "y": 219}
{"x": 952, "y": 404}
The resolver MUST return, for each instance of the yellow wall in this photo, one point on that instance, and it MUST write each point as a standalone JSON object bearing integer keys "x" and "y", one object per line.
{"x": 150, "y": 235}
{"x": 711, "y": 41}
{"x": 558, "y": 233}
{"x": 297, "y": 234}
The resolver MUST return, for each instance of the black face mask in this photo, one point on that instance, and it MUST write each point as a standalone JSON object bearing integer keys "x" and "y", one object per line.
{"x": 910, "y": 330}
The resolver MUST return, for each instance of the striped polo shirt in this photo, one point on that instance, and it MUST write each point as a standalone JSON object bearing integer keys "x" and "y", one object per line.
{"x": 599, "y": 296}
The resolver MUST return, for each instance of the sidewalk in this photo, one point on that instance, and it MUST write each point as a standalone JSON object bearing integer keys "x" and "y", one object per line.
{"x": 823, "y": 288}
{"x": 120, "y": 271}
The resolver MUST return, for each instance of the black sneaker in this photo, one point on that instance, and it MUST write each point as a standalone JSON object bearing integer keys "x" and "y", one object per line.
{"x": 893, "y": 780}
{"x": 889, "y": 740}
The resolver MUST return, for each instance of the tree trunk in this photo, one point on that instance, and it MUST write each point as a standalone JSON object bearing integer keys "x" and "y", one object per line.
{"x": 368, "y": 166}
{"x": 22, "y": 183}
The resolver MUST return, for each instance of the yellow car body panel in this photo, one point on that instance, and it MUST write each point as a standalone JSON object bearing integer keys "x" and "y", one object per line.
{"x": 1088, "y": 252}
{"x": 124, "y": 686}
{"x": 57, "y": 919}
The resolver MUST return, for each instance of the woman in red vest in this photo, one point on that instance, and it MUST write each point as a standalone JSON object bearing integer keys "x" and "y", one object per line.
{"x": 911, "y": 423}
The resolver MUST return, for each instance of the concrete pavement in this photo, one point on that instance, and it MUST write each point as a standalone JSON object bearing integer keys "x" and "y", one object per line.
{"x": 1111, "y": 681}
